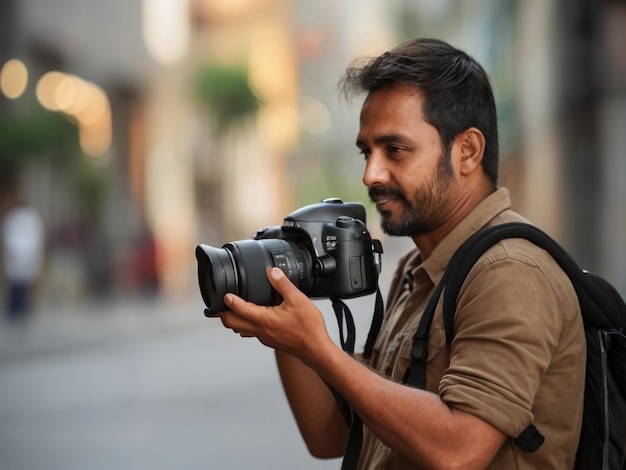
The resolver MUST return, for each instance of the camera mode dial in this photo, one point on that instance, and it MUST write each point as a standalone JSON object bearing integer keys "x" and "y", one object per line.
{"x": 346, "y": 222}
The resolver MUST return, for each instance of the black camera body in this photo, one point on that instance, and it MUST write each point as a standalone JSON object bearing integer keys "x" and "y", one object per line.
{"x": 324, "y": 249}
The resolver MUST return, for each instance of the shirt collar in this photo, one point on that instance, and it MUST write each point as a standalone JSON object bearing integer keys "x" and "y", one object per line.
{"x": 481, "y": 215}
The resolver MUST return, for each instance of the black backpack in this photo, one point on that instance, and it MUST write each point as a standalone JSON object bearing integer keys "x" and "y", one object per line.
{"x": 602, "y": 443}
{"x": 603, "y": 436}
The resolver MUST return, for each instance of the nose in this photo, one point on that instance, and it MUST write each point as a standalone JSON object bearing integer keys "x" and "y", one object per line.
{"x": 375, "y": 171}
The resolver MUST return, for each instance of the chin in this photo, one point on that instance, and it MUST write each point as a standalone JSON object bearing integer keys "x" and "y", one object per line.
{"x": 393, "y": 229}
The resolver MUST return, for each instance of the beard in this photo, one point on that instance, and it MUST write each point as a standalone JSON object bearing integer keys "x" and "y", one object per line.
{"x": 424, "y": 210}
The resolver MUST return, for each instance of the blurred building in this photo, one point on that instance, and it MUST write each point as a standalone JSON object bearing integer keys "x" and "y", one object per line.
{"x": 224, "y": 117}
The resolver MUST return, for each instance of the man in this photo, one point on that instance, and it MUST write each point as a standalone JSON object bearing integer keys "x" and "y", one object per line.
{"x": 429, "y": 137}
{"x": 22, "y": 251}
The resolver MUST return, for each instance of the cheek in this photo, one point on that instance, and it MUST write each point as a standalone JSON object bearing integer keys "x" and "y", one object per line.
{"x": 412, "y": 176}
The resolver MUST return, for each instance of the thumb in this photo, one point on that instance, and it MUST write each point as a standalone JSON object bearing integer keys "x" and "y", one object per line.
{"x": 282, "y": 284}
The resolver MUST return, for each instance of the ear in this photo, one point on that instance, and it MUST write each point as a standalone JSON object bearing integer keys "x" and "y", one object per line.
{"x": 471, "y": 146}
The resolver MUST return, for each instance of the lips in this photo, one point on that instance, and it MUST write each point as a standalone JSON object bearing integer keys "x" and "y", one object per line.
{"x": 380, "y": 203}
{"x": 383, "y": 196}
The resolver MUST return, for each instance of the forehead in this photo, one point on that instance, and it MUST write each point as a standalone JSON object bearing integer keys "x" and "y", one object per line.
{"x": 393, "y": 110}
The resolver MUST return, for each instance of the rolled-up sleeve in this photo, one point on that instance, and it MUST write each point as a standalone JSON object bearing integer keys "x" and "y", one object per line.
{"x": 507, "y": 326}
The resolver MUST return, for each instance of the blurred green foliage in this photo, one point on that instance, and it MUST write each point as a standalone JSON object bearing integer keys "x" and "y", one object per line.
{"x": 35, "y": 136}
{"x": 225, "y": 93}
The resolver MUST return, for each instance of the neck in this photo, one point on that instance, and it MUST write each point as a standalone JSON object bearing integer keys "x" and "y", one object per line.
{"x": 460, "y": 208}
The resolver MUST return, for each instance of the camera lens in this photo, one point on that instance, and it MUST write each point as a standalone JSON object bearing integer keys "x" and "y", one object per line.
{"x": 216, "y": 276}
{"x": 240, "y": 267}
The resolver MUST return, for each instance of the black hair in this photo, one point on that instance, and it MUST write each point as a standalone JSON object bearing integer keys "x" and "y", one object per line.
{"x": 455, "y": 88}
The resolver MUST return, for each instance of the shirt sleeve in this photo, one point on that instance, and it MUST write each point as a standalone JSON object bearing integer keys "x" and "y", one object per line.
{"x": 507, "y": 325}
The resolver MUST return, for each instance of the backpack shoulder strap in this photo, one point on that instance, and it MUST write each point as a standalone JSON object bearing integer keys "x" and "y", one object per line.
{"x": 599, "y": 311}
{"x": 600, "y": 300}
{"x": 453, "y": 277}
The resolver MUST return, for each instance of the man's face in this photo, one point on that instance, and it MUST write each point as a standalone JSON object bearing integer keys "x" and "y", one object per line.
{"x": 408, "y": 174}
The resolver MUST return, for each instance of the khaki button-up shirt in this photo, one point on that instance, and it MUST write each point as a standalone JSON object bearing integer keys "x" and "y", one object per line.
{"x": 518, "y": 356}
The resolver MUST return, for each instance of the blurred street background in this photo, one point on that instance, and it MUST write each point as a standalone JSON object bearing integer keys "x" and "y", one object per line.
{"x": 132, "y": 130}
{"x": 142, "y": 385}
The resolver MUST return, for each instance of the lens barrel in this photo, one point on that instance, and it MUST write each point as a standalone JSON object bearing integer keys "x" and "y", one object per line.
{"x": 240, "y": 268}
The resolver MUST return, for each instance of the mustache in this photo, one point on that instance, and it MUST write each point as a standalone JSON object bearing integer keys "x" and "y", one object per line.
{"x": 378, "y": 192}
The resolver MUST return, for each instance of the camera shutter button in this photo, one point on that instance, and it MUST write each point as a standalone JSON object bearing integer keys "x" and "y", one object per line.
{"x": 345, "y": 222}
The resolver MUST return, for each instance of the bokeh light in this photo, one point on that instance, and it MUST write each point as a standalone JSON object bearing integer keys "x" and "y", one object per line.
{"x": 166, "y": 29}
{"x": 85, "y": 102}
{"x": 13, "y": 78}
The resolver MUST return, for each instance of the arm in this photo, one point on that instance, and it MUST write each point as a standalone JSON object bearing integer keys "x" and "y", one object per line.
{"x": 321, "y": 424}
{"x": 414, "y": 422}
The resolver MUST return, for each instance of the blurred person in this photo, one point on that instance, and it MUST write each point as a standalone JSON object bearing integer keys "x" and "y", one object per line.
{"x": 428, "y": 135}
{"x": 22, "y": 252}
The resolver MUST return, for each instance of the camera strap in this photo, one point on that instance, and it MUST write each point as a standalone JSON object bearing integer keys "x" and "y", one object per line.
{"x": 343, "y": 315}
{"x": 377, "y": 321}
{"x": 348, "y": 337}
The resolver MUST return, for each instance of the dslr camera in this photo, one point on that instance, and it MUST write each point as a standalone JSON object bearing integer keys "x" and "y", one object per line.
{"x": 324, "y": 249}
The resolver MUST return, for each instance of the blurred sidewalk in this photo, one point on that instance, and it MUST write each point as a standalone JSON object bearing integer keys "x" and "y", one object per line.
{"x": 134, "y": 384}
{"x": 89, "y": 324}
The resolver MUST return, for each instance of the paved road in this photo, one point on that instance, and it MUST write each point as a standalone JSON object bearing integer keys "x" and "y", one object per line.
{"x": 142, "y": 385}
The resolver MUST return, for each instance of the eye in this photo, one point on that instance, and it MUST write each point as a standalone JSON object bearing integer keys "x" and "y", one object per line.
{"x": 365, "y": 153}
{"x": 394, "y": 150}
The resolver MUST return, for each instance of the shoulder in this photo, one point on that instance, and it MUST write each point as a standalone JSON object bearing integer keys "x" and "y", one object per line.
{"x": 522, "y": 276}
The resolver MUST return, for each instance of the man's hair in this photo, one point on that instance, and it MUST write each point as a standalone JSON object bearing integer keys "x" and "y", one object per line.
{"x": 455, "y": 88}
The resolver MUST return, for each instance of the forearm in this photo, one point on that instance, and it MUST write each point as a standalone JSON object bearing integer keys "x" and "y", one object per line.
{"x": 414, "y": 422}
{"x": 316, "y": 412}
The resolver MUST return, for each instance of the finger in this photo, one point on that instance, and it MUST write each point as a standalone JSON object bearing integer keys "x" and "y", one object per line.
{"x": 236, "y": 323}
{"x": 234, "y": 302}
{"x": 233, "y": 321}
{"x": 288, "y": 291}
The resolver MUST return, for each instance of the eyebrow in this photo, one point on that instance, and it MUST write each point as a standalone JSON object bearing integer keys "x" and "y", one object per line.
{"x": 383, "y": 139}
